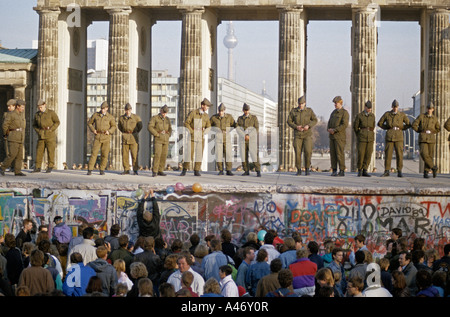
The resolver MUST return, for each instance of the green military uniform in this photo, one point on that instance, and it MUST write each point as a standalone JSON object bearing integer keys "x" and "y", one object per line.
{"x": 394, "y": 124}
{"x": 427, "y": 125}
{"x": 447, "y": 127}
{"x": 14, "y": 128}
{"x": 45, "y": 124}
{"x": 161, "y": 129}
{"x": 130, "y": 126}
{"x": 101, "y": 123}
{"x": 198, "y": 124}
{"x": 338, "y": 122}
{"x": 302, "y": 139}
{"x": 364, "y": 126}
{"x": 11, "y": 104}
{"x": 249, "y": 125}
{"x": 222, "y": 126}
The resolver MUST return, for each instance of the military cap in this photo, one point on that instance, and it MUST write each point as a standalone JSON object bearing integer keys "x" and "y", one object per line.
{"x": 104, "y": 105}
{"x": 302, "y": 99}
{"x": 41, "y": 102}
{"x": 165, "y": 109}
{"x": 205, "y": 101}
{"x": 245, "y": 107}
{"x": 127, "y": 106}
{"x": 430, "y": 105}
{"x": 20, "y": 102}
{"x": 11, "y": 102}
{"x": 222, "y": 107}
{"x": 395, "y": 103}
{"x": 368, "y": 104}
{"x": 337, "y": 99}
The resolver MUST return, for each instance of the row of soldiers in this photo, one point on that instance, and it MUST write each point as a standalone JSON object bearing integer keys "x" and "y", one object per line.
{"x": 301, "y": 119}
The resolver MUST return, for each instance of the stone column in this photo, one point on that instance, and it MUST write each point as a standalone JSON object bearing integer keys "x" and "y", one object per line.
{"x": 364, "y": 76}
{"x": 191, "y": 62}
{"x": 118, "y": 74}
{"x": 47, "y": 59}
{"x": 437, "y": 72}
{"x": 291, "y": 81}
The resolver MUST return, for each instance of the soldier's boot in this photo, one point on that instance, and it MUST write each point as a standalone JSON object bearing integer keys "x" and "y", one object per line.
{"x": 385, "y": 174}
{"x": 197, "y": 173}
{"x": 89, "y": 172}
{"x": 434, "y": 169}
{"x": 183, "y": 172}
{"x": 19, "y": 174}
{"x": 162, "y": 174}
{"x": 258, "y": 174}
{"x": 334, "y": 173}
{"x": 220, "y": 173}
{"x": 230, "y": 173}
{"x": 2, "y": 171}
{"x": 49, "y": 170}
{"x": 125, "y": 172}
{"x": 341, "y": 173}
{"x": 246, "y": 173}
{"x": 36, "y": 170}
{"x": 307, "y": 171}
{"x": 102, "y": 172}
{"x": 426, "y": 175}
{"x": 299, "y": 172}
{"x": 364, "y": 173}
{"x": 359, "y": 173}
{"x": 399, "y": 173}
{"x": 135, "y": 172}
{"x": 154, "y": 174}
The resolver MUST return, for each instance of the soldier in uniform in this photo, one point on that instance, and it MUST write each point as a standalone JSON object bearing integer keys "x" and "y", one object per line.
{"x": 198, "y": 124}
{"x": 427, "y": 125}
{"x": 14, "y": 128}
{"x": 45, "y": 123}
{"x": 11, "y": 105}
{"x": 222, "y": 123}
{"x": 302, "y": 119}
{"x": 248, "y": 129}
{"x": 447, "y": 127}
{"x": 161, "y": 129}
{"x": 130, "y": 125}
{"x": 337, "y": 124}
{"x": 394, "y": 122}
{"x": 102, "y": 124}
{"x": 364, "y": 126}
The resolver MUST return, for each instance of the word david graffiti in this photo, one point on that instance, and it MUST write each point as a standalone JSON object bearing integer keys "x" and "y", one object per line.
{"x": 316, "y": 217}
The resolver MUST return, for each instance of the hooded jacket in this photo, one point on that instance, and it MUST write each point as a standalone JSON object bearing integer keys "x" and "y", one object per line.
{"x": 107, "y": 273}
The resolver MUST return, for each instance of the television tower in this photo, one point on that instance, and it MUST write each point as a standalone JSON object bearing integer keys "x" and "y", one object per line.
{"x": 230, "y": 42}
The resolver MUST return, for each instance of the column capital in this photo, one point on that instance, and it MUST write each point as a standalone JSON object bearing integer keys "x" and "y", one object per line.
{"x": 191, "y": 9}
{"x": 118, "y": 10}
{"x": 47, "y": 10}
{"x": 290, "y": 8}
{"x": 370, "y": 8}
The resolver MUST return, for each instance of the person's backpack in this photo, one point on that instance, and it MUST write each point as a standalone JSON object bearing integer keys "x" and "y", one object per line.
{"x": 233, "y": 268}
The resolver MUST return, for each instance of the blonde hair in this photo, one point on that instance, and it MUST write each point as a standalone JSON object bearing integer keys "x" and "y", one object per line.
{"x": 119, "y": 265}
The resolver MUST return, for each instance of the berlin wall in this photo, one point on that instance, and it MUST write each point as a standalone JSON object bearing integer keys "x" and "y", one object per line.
{"x": 316, "y": 216}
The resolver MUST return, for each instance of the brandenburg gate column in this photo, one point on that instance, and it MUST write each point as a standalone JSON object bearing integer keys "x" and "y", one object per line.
{"x": 118, "y": 74}
{"x": 435, "y": 85}
{"x": 47, "y": 59}
{"x": 291, "y": 77}
{"x": 191, "y": 62}
{"x": 364, "y": 75}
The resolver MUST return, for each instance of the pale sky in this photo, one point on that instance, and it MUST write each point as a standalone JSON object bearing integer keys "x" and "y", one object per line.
{"x": 256, "y": 55}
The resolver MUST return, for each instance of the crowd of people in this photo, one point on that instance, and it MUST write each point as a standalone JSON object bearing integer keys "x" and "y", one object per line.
{"x": 263, "y": 266}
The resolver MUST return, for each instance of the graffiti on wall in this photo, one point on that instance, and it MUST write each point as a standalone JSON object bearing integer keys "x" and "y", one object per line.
{"x": 315, "y": 216}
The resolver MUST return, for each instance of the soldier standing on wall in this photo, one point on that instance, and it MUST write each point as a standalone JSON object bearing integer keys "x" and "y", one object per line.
{"x": 130, "y": 125}
{"x": 45, "y": 123}
{"x": 161, "y": 129}
{"x": 364, "y": 126}
{"x": 337, "y": 124}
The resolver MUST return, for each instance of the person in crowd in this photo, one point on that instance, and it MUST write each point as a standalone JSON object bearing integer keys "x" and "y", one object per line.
{"x": 36, "y": 277}
{"x": 355, "y": 286}
{"x": 213, "y": 261}
{"x": 228, "y": 287}
{"x": 399, "y": 287}
{"x": 257, "y": 270}
{"x": 304, "y": 271}
{"x": 269, "y": 282}
{"x": 78, "y": 276}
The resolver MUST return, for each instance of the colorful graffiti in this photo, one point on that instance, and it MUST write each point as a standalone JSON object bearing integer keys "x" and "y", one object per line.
{"x": 315, "y": 216}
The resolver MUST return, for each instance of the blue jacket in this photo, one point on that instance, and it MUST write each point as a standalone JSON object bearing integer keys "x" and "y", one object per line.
{"x": 254, "y": 273}
{"x": 77, "y": 279}
{"x": 428, "y": 292}
{"x": 212, "y": 262}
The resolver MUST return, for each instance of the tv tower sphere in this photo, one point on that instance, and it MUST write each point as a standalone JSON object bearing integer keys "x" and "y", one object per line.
{"x": 230, "y": 41}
